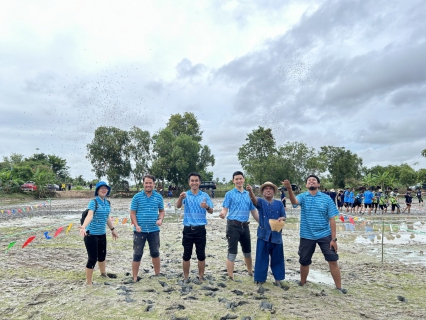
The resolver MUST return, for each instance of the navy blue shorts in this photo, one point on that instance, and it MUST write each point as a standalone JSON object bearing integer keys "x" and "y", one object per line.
{"x": 307, "y": 249}
{"x": 139, "y": 240}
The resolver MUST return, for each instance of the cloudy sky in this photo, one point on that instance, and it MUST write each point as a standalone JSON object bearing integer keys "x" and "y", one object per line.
{"x": 343, "y": 73}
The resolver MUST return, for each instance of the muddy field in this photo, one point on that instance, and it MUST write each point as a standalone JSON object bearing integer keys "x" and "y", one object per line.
{"x": 45, "y": 280}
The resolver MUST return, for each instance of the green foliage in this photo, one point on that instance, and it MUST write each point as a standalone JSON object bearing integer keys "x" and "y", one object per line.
{"x": 263, "y": 161}
{"x": 258, "y": 156}
{"x": 42, "y": 176}
{"x": 341, "y": 164}
{"x": 177, "y": 150}
{"x": 9, "y": 181}
{"x": 109, "y": 153}
{"x": 424, "y": 153}
{"x": 421, "y": 175}
{"x": 139, "y": 152}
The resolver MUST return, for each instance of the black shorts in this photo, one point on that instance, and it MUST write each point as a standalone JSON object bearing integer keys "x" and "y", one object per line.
{"x": 339, "y": 204}
{"x": 194, "y": 235}
{"x": 356, "y": 204}
{"x": 408, "y": 204}
{"x": 375, "y": 205}
{"x": 307, "y": 249}
{"x": 347, "y": 204}
{"x": 368, "y": 205}
{"x": 238, "y": 232}
{"x": 96, "y": 246}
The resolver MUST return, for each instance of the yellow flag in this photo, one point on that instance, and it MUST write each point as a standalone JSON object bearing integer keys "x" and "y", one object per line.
{"x": 69, "y": 227}
{"x": 116, "y": 221}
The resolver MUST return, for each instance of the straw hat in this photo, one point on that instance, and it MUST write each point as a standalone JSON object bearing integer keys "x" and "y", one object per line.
{"x": 276, "y": 225}
{"x": 268, "y": 184}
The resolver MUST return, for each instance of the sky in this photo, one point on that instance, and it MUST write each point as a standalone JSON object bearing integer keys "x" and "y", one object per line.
{"x": 345, "y": 73}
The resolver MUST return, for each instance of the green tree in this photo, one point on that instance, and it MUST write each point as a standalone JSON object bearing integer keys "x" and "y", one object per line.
{"x": 258, "y": 154}
{"x": 58, "y": 166}
{"x": 407, "y": 175}
{"x": 341, "y": 164}
{"x": 298, "y": 161}
{"x": 424, "y": 153}
{"x": 139, "y": 153}
{"x": 421, "y": 175}
{"x": 109, "y": 154}
{"x": 42, "y": 176}
{"x": 177, "y": 150}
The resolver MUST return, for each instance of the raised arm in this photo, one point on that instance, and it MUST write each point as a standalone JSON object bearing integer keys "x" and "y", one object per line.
{"x": 252, "y": 196}
{"x": 291, "y": 195}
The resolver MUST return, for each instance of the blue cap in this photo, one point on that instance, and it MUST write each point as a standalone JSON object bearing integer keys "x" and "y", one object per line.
{"x": 100, "y": 184}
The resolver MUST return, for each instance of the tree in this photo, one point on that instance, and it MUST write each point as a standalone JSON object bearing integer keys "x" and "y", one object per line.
{"x": 42, "y": 176}
{"x": 139, "y": 152}
{"x": 341, "y": 163}
{"x": 177, "y": 150}
{"x": 258, "y": 154}
{"x": 421, "y": 175}
{"x": 424, "y": 153}
{"x": 109, "y": 154}
{"x": 58, "y": 166}
{"x": 299, "y": 161}
{"x": 407, "y": 175}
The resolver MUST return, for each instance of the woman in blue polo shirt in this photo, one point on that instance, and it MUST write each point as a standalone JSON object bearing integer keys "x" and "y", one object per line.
{"x": 94, "y": 231}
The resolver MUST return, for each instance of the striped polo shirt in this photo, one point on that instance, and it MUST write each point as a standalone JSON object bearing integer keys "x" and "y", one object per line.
{"x": 238, "y": 204}
{"x": 147, "y": 209}
{"x": 100, "y": 216}
{"x": 194, "y": 215}
{"x": 315, "y": 214}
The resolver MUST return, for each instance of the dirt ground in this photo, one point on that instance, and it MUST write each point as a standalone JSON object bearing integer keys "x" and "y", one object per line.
{"x": 45, "y": 280}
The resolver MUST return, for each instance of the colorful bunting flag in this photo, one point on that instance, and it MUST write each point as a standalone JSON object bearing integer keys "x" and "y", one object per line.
{"x": 58, "y": 232}
{"x": 342, "y": 219}
{"x": 46, "y": 235}
{"x": 124, "y": 221}
{"x": 69, "y": 227}
{"x": 29, "y": 240}
{"x": 351, "y": 220}
{"x": 10, "y": 246}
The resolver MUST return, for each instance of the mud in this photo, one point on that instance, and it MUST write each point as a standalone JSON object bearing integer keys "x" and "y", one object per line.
{"x": 45, "y": 280}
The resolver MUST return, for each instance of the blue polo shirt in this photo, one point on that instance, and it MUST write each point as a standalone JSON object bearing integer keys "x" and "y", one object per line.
{"x": 100, "y": 216}
{"x": 346, "y": 196}
{"x": 368, "y": 197}
{"x": 269, "y": 210}
{"x": 351, "y": 197}
{"x": 147, "y": 210}
{"x": 194, "y": 215}
{"x": 315, "y": 214}
{"x": 238, "y": 204}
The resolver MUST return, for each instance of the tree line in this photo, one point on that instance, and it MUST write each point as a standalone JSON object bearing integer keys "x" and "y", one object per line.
{"x": 174, "y": 151}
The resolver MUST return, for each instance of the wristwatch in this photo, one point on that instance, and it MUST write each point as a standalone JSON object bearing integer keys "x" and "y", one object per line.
{"x": 335, "y": 239}
{"x": 112, "y": 228}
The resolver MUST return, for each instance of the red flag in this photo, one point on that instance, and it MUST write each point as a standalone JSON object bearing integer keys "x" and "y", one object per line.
{"x": 351, "y": 220}
{"x": 58, "y": 232}
{"x": 28, "y": 241}
{"x": 342, "y": 219}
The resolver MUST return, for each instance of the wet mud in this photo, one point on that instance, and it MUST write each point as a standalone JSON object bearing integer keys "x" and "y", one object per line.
{"x": 45, "y": 280}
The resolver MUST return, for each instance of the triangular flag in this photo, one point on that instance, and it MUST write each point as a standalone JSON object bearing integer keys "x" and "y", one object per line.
{"x": 58, "y": 232}
{"x": 124, "y": 221}
{"x": 116, "y": 221}
{"x": 351, "y": 220}
{"x": 2, "y": 211}
{"x": 69, "y": 227}
{"x": 29, "y": 240}
{"x": 46, "y": 235}
{"x": 390, "y": 227}
{"x": 342, "y": 219}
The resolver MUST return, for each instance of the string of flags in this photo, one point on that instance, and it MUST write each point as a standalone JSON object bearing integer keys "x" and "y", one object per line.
{"x": 25, "y": 208}
{"x": 58, "y": 231}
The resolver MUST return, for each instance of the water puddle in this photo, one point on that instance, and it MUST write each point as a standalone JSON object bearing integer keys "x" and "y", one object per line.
{"x": 314, "y": 276}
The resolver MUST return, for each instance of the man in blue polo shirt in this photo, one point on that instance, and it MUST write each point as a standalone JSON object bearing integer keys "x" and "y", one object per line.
{"x": 236, "y": 208}
{"x": 146, "y": 213}
{"x": 196, "y": 203}
{"x": 368, "y": 200}
{"x": 317, "y": 226}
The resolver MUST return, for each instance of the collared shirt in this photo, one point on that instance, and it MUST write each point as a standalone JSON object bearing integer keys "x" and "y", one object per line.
{"x": 238, "y": 204}
{"x": 346, "y": 196}
{"x": 351, "y": 197}
{"x": 269, "y": 210}
{"x": 147, "y": 210}
{"x": 315, "y": 214}
{"x": 100, "y": 216}
{"x": 194, "y": 214}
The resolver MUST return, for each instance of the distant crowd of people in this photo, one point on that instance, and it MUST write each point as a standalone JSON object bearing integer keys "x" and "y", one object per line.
{"x": 368, "y": 199}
